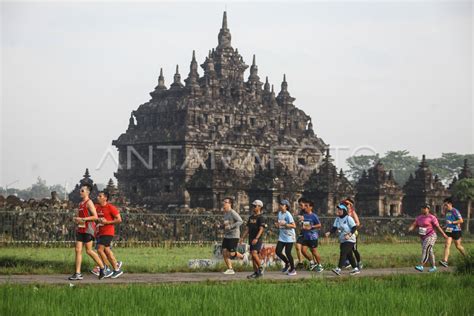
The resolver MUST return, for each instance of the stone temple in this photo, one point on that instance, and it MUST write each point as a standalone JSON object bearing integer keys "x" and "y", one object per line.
{"x": 220, "y": 134}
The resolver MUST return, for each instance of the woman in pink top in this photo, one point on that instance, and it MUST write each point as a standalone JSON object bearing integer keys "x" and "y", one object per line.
{"x": 426, "y": 223}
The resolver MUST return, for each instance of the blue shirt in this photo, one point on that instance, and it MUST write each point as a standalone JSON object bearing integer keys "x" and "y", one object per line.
{"x": 453, "y": 215}
{"x": 344, "y": 226}
{"x": 286, "y": 234}
{"x": 310, "y": 219}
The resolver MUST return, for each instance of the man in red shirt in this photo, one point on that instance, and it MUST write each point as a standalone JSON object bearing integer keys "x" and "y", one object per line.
{"x": 85, "y": 222}
{"x": 108, "y": 215}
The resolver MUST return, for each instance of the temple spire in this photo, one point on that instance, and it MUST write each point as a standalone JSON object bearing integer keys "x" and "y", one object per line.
{"x": 284, "y": 97}
{"x": 224, "y": 20}
{"x": 266, "y": 87}
{"x": 254, "y": 78}
{"x": 131, "y": 122}
{"x": 160, "y": 88}
{"x": 176, "y": 80}
{"x": 161, "y": 80}
{"x": 224, "y": 37}
{"x": 423, "y": 163}
{"x": 192, "y": 81}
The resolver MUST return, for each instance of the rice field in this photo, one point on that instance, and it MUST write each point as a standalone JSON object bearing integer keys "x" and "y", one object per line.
{"x": 428, "y": 294}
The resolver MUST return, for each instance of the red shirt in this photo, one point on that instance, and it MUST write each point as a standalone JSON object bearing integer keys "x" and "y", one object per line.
{"x": 108, "y": 211}
{"x": 88, "y": 227}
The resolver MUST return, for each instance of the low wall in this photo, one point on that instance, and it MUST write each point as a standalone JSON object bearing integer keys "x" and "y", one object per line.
{"x": 58, "y": 226}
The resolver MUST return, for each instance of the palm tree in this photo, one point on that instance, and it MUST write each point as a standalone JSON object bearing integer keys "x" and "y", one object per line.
{"x": 463, "y": 191}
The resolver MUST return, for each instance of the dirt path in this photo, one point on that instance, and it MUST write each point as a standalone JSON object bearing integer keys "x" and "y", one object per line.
{"x": 193, "y": 277}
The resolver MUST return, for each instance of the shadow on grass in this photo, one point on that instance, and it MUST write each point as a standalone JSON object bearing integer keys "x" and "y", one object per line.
{"x": 23, "y": 265}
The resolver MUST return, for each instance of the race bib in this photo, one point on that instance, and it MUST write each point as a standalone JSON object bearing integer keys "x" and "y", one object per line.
{"x": 307, "y": 224}
{"x": 282, "y": 222}
{"x": 449, "y": 229}
{"x": 81, "y": 225}
{"x": 422, "y": 231}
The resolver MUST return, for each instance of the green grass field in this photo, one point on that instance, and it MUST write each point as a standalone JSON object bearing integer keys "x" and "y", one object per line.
{"x": 439, "y": 294}
{"x": 44, "y": 260}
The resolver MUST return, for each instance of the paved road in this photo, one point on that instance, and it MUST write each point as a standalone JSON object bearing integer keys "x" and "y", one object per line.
{"x": 193, "y": 277}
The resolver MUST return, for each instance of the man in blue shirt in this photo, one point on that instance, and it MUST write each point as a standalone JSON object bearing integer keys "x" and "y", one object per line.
{"x": 453, "y": 230}
{"x": 310, "y": 227}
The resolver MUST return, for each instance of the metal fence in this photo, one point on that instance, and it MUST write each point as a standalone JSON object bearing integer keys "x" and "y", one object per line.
{"x": 37, "y": 227}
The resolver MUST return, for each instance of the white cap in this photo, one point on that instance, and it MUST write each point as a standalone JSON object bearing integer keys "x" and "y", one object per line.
{"x": 257, "y": 203}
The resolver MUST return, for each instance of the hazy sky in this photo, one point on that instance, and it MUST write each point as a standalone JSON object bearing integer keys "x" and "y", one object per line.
{"x": 388, "y": 75}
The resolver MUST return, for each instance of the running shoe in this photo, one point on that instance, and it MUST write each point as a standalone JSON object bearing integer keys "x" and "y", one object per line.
{"x": 419, "y": 268}
{"x": 300, "y": 266}
{"x": 108, "y": 272}
{"x": 319, "y": 268}
{"x": 285, "y": 269}
{"x": 101, "y": 274}
{"x": 337, "y": 271}
{"x": 95, "y": 271}
{"x": 261, "y": 270}
{"x": 360, "y": 265}
{"x": 292, "y": 272}
{"x": 119, "y": 265}
{"x": 347, "y": 265}
{"x": 229, "y": 271}
{"x": 313, "y": 266}
{"x": 355, "y": 271}
{"x": 433, "y": 269}
{"x": 76, "y": 277}
{"x": 116, "y": 274}
{"x": 443, "y": 263}
{"x": 252, "y": 276}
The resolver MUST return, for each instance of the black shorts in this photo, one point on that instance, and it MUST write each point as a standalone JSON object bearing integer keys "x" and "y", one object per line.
{"x": 105, "y": 240}
{"x": 257, "y": 247}
{"x": 84, "y": 237}
{"x": 300, "y": 239}
{"x": 310, "y": 243}
{"x": 455, "y": 235}
{"x": 230, "y": 244}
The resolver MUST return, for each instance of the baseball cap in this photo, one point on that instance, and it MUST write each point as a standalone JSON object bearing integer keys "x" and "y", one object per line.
{"x": 285, "y": 202}
{"x": 426, "y": 206}
{"x": 257, "y": 203}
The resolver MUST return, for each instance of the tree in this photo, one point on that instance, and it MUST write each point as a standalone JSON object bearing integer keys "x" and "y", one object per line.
{"x": 401, "y": 163}
{"x": 463, "y": 190}
{"x": 357, "y": 164}
{"x": 60, "y": 190}
{"x": 448, "y": 165}
{"x": 39, "y": 190}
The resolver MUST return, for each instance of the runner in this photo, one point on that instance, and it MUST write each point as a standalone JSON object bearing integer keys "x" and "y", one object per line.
{"x": 286, "y": 238}
{"x": 107, "y": 264}
{"x": 255, "y": 229}
{"x": 108, "y": 217}
{"x": 345, "y": 226}
{"x": 232, "y": 222}
{"x": 311, "y": 225}
{"x": 299, "y": 240}
{"x": 426, "y": 222}
{"x": 453, "y": 230}
{"x": 85, "y": 234}
{"x": 352, "y": 213}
